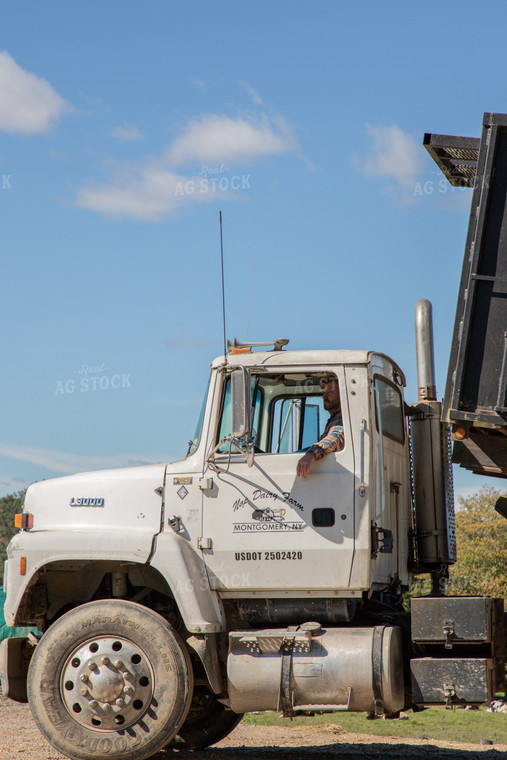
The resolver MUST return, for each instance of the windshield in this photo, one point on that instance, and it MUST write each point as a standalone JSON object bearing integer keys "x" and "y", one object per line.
{"x": 194, "y": 443}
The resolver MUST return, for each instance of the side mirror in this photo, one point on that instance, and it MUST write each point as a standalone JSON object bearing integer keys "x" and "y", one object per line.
{"x": 501, "y": 506}
{"x": 241, "y": 403}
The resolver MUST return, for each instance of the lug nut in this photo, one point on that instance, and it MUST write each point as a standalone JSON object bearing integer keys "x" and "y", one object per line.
{"x": 106, "y": 707}
{"x": 84, "y": 692}
{"x": 94, "y": 704}
{"x": 128, "y": 689}
{"x": 127, "y": 676}
{"x": 119, "y": 702}
{"x": 83, "y": 678}
{"x": 118, "y": 664}
{"x": 106, "y": 660}
{"x": 92, "y": 665}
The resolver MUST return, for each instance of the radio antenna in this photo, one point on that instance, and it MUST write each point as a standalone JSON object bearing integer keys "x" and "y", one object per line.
{"x": 223, "y": 286}
{"x": 251, "y": 292}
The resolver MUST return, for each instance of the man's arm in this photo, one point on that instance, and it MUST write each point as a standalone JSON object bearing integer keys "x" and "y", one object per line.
{"x": 333, "y": 441}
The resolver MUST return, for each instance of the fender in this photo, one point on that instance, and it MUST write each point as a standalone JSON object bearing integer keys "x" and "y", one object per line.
{"x": 181, "y": 567}
{"x": 40, "y": 548}
{"x": 185, "y": 573}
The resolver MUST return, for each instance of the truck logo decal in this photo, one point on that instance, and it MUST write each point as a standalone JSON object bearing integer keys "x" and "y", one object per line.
{"x": 86, "y": 501}
{"x": 285, "y": 497}
{"x": 268, "y": 514}
{"x": 182, "y": 480}
{"x": 182, "y": 492}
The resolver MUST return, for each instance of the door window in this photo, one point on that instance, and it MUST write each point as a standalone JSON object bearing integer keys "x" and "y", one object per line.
{"x": 296, "y": 423}
{"x": 391, "y": 409}
{"x": 287, "y": 411}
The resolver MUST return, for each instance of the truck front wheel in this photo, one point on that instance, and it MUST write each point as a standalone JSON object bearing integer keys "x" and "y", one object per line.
{"x": 110, "y": 680}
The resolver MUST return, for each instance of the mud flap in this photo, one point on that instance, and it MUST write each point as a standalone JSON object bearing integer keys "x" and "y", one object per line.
{"x": 15, "y": 656}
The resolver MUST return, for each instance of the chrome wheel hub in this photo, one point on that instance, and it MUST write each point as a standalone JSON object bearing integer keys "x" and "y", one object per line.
{"x": 107, "y": 683}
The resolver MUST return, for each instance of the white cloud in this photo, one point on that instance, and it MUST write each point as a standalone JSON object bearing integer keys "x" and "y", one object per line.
{"x": 149, "y": 193}
{"x": 11, "y": 484}
{"x": 126, "y": 132}
{"x": 28, "y": 104}
{"x": 186, "y": 340}
{"x": 198, "y": 83}
{"x": 241, "y": 141}
{"x": 68, "y": 464}
{"x": 153, "y": 190}
{"x": 175, "y": 403}
{"x": 256, "y": 98}
{"x": 396, "y": 156}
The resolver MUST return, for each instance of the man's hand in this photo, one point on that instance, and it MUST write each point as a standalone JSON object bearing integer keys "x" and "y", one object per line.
{"x": 304, "y": 464}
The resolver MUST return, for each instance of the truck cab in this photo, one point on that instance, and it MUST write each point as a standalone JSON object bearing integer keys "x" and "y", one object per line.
{"x": 266, "y": 532}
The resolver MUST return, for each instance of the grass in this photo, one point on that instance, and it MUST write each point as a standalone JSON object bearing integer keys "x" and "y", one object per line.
{"x": 433, "y": 723}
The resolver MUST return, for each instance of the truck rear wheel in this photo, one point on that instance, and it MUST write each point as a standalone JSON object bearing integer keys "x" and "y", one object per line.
{"x": 208, "y": 721}
{"x": 110, "y": 680}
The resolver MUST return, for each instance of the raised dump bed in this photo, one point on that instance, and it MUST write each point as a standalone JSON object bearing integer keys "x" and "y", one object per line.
{"x": 476, "y": 392}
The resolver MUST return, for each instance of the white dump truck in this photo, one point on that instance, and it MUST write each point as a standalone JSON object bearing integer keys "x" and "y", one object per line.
{"x": 173, "y": 598}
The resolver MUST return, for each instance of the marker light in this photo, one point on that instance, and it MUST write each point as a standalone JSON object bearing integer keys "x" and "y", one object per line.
{"x": 460, "y": 433}
{"x": 240, "y": 351}
{"x": 23, "y": 520}
{"x": 22, "y": 565}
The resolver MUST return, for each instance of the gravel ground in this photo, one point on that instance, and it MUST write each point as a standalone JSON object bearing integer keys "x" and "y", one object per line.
{"x": 21, "y": 740}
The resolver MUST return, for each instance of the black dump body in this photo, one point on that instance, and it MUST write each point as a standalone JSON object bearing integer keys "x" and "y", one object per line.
{"x": 476, "y": 392}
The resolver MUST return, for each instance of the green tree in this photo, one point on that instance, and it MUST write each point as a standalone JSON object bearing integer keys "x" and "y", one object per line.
{"x": 9, "y": 506}
{"x": 481, "y": 538}
{"x": 481, "y": 535}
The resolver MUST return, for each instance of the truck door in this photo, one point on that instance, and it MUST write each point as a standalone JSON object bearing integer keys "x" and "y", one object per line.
{"x": 393, "y": 480}
{"x": 265, "y": 528}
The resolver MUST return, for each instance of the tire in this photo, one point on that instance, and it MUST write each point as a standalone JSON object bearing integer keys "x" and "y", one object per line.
{"x": 110, "y": 679}
{"x": 208, "y": 721}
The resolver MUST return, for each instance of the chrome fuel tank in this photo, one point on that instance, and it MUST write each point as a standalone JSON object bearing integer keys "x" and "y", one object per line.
{"x": 353, "y": 669}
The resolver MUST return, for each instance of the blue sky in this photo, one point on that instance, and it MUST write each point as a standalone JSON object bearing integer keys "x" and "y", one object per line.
{"x": 125, "y": 128}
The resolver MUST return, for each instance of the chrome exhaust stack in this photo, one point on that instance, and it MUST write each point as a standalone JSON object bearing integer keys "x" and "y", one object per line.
{"x": 434, "y": 534}
{"x": 427, "y": 390}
